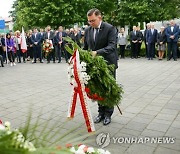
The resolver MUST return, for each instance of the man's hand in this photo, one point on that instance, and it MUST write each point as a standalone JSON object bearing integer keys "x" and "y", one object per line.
{"x": 93, "y": 53}
{"x": 172, "y": 36}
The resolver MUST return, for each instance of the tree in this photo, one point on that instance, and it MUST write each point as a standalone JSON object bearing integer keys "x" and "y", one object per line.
{"x": 40, "y": 13}
{"x": 33, "y": 13}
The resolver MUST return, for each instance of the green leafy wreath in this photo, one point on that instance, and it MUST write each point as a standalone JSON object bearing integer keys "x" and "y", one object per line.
{"x": 102, "y": 85}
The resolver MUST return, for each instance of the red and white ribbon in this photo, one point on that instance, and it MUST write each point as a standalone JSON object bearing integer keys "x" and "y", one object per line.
{"x": 79, "y": 89}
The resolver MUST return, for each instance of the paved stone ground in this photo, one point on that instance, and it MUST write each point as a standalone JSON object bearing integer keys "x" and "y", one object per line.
{"x": 151, "y": 103}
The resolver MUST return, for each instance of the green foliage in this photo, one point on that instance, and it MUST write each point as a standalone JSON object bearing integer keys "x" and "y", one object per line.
{"x": 31, "y": 139}
{"x": 36, "y": 13}
{"x": 102, "y": 81}
{"x": 40, "y": 13}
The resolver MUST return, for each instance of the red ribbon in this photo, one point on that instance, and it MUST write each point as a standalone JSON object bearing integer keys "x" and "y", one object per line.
{"x": 93, "y": 96}
{"x": 78, "y": 90}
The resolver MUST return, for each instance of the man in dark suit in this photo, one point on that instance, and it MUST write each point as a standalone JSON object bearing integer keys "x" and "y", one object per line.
{"x": 151, "y": 39}
{"x": 60, "y": 44}
{"x": 134, "y": 42}
{"x": 100, "y": 37}
{"x": 172, "y": 33}
{"x": 49, "y": 35}
{"x": 1, "y": 53}
{"x": 36, "y": 40}
{"x": 139, "y": 43}
{"x": 148, "y": 26}
{"x": 1, "y": 61}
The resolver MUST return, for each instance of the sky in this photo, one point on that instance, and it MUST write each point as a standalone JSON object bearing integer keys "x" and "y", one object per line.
{"x": 5, "y": 7}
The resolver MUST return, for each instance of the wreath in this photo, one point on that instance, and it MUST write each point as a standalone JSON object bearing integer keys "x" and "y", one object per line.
{"x": 101, "y": 86}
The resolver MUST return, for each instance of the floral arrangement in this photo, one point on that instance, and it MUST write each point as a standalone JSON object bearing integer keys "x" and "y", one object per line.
{"x": 101, "y": 85}
{"x": 47, "y": 46}
{"x": 16, "y": 141}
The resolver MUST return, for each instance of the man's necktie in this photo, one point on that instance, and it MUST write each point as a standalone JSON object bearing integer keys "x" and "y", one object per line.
{"x": 96, "y": 34}
{"x": 60, "y": 36}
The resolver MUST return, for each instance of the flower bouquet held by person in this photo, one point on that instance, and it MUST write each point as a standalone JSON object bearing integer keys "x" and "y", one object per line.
{"x": 47, "y": 46}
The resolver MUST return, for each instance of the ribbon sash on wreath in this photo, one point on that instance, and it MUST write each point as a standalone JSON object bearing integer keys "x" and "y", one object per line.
{"x": 79, "y": 89}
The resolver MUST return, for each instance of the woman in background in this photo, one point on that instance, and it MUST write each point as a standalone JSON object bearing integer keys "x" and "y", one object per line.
{"x": 10, "y": 49}
{"x": 161, "y": 41}
{"x": 122, "y": 41}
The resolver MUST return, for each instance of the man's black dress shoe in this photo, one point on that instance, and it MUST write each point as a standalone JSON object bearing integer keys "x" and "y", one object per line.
{"x": 98, "y": 119}
{"x": 107, "y": 120}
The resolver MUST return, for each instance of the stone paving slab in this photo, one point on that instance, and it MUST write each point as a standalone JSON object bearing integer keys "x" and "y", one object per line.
{"x": 150, "y": 105}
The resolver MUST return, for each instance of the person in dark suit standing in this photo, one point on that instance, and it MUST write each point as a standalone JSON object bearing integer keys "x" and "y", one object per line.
{"x": 36, "y": 40}
{"x": 148, "y": 26}
{"x": 172, "y": 33}
{"x": 49, "y": 35}
{"x": 60, "y": 43}
{"x": 1, "y": 53}
{"x": 100, "y": 37}
{"x": 139, "y": 43}
{"x": 151, "y": 39}
{"x": 134, "y": 42}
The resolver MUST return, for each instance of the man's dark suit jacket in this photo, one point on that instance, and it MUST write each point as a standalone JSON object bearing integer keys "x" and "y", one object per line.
{"x": 161, "y": 37}
{"x": 36, "y": 39}
{"x": 175, "y": 33}
{"x": 105, "y": 44}
{"x": 58, "y": 39}
{"x": 51, "y": 36}
{"x": 133, "y": 37}
{"x": 151, "y": 38}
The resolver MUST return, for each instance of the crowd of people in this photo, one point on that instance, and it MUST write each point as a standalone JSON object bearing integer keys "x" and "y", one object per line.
{"x": 165, "y": 39}
{"x": 35, "y": 40}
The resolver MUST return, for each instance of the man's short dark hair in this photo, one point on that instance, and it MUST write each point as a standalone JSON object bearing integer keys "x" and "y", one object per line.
{"x": 93, "y": 11}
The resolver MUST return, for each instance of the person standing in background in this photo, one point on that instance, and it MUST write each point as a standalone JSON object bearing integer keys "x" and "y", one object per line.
{"x": 172, "y": 33}
{"x": 140, "y": 38}
{"x": 122, "y": 42}
{"x": 151, "y": 39}
{"x": 161, "y": 41}
{"x": 134, "y": 41}
{"x": 10, "y": 49}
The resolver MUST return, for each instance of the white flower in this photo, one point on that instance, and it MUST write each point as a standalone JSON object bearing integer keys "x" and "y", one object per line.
{"x": 90, "y": 150}
{"x": 73, "y": 149}
{"x": 31, "y": 147}
{"x": 7, "y": 124}
{"x": 81, "y": 147}
{"x": 80, "y": 151}
{"x": 83, "y": 64}
{"x": 107, "y": 152}
{"x": 2, "y": 127}
{"x": 100, "y": 151}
